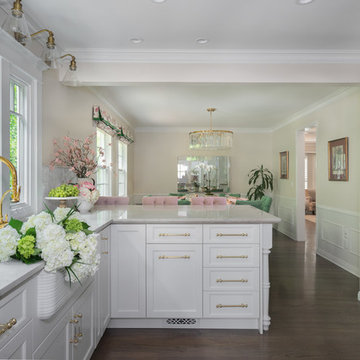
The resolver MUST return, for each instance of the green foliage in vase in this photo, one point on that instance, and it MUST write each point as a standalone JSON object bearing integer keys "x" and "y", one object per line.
{"x": 261, "y": 180}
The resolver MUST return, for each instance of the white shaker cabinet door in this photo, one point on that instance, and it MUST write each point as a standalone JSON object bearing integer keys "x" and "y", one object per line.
{"x": 104, "y": 281}
{"x": 174, "y": 280}
{"x": 128, "y": 271}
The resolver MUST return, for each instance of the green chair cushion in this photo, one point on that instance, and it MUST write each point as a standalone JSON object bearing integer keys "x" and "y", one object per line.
{"x": 264, "y": 204}
{"x": 184, "y": 202}
{"x": 235, "y": 195}
{"x": 177, "y": 194}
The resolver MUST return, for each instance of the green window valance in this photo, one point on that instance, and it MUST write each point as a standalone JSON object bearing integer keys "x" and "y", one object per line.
{"x": 114, "y": 128}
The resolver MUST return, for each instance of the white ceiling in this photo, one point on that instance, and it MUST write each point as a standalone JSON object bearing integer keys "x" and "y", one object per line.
{"x": 176, "y": 24}
{"x": 268, "y": 26}
{"x": 246, "y": 106}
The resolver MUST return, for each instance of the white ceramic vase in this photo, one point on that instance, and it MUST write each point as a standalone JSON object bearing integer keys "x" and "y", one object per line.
{"x": 84, "y": 206}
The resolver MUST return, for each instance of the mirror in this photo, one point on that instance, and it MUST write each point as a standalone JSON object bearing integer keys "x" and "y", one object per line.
{"x": 203, "y": 174}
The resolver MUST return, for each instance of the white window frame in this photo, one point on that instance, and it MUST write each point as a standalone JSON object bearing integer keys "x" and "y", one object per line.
{"x": 122, "y": 167}
{"x": 18, "y": 65}
{"x": 108, "y": 157}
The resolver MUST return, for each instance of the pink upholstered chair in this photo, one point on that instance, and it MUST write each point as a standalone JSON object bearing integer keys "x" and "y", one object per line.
{"x": 170, "y": 200}
{"x": 197, "y": 200}
{"x": 208, "y": 200}
{"x": 148, "y": 200}
{"x": 219, "y": 200}
{"x": 159, "y": 200}
{"x": 113, "y": 200}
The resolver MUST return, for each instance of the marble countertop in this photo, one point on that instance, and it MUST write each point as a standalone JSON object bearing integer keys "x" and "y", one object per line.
{"x": 14, "y": 272}
{"x": 101, "y": 216}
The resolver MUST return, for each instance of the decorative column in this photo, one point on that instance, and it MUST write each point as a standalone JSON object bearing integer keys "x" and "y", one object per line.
{"x": 266, "y": 246}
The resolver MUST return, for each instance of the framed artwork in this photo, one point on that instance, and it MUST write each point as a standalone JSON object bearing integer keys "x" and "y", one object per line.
{"x": 284, "y": 165}
{"x": 338, "y": 159}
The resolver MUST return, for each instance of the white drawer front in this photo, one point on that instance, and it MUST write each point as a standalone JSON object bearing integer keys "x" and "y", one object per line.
{"x": 15, "y": 306}
{"x": 230, "y": 234}
{"x": 231, "y": 279}
{"x": 174, "y": 234}
{"x": 233, "y": 305}
{"x": 231, "y": 255}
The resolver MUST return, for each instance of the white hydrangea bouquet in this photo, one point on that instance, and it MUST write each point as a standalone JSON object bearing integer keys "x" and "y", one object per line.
{"x": 60, "y": 238}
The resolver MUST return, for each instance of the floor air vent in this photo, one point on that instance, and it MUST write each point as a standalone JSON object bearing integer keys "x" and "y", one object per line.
{"x": 181, "y": 322}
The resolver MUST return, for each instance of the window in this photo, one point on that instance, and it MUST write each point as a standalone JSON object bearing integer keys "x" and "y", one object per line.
{"x": 17, "y": 136}
{"x": 103, "y": 176}
{"x": 122, "y": 169}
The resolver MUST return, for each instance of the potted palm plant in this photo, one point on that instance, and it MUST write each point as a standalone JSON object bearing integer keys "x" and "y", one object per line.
{"x": 261, "y": 180}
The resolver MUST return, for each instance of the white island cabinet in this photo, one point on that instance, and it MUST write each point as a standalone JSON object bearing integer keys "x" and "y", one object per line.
{"x": 204, "y": 267}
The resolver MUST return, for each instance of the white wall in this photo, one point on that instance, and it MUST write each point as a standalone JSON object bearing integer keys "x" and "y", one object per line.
{"x": 156, "y": 153}
{"x": 68, "y": 111}
{"x": 338, "y": 231}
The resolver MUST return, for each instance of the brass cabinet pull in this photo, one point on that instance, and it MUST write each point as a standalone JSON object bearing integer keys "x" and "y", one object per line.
{"x": 78, "y": 316}
{"x": 104, "y": 238}
{"x": 74, "y": 341}
{"x": 162, "y": 257}
{"x": 164, "y": 234}
{"x": 74, "y": 321}
{"x": 80, "y": 334}
{"x": 232, "y": 257}
{"x": 105, "y": 252}
{"x": 241, "y": 234}
{"x": 220, "y": 306}
{"x": 7, "y": 326}
{"x": 241, "y": 280}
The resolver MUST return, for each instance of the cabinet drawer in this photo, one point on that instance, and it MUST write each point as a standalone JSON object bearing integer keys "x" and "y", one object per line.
{"x": 231, "y": 255}
{"x": 16, "y": 306}
{"x": 172, "y": 234}
{"x": 231, "y": 279}
{"x": 230, "y": 234}
{"x": 233, "y": 305}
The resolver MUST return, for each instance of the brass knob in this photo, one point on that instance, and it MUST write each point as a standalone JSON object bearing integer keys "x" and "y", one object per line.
{"x": 74, "y": 341}
{"x": 105, "y": 252}
{"x": 80, "y": 334}
{"x": 74, "y": 321}
{"x": 78, "y": 316}
{"x": 104, "y": 238}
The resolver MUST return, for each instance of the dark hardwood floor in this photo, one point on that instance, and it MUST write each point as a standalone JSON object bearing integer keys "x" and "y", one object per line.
{"x": 313, "y": 306}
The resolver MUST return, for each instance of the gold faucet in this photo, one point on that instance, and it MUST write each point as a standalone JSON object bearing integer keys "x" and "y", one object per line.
{"x": 15, "y": 189}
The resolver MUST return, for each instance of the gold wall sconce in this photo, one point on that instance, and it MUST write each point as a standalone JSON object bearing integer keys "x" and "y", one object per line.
{"x": 16, "y": 24}
{"x": 15, "y": 191}
{"x": 49, "y": 54}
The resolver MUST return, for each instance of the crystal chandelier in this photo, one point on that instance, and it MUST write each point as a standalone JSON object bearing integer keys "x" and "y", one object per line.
{"x": 211, "y": 139}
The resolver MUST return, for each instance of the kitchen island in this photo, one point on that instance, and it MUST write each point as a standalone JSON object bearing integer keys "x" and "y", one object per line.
{"x": 161, "y": 267}
{"x": 188, "y": 266}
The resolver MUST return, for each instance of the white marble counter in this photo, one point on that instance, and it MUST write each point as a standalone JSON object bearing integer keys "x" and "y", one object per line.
{"x": 14, "y": 272}
{"x": 101, "y": 216}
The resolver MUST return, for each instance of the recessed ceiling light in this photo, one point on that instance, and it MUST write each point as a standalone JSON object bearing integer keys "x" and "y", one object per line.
{"x": 158, "y": 1}
{"x": 137, "y": 40}
{"x": 202, "y": 41}
{"x": 304, "y": 2}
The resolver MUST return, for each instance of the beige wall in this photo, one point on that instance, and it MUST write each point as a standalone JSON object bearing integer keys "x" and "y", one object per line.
{"x": 67, "y": 111}
{"x": 337, "y": 119}
{"x": 155, "y": 159}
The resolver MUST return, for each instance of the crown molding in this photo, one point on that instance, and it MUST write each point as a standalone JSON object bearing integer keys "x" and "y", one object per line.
{"x": 217, "y": 56}
{"x": 337, "y": 95}
{"x": 164, "y": 129}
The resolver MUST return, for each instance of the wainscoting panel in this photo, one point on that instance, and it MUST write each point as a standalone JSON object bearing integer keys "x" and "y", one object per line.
{"x": 338, "y": 237}
{"x": 285, "y": 209}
